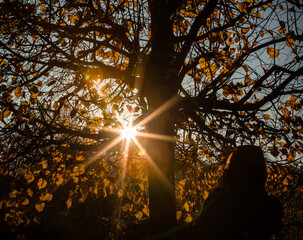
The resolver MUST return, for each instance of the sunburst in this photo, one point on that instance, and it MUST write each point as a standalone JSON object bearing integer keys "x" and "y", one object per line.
{"x": 129, "y": 132}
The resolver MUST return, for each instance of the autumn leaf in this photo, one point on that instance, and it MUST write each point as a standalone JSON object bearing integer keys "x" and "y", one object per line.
{"x": 29, "y": 178}
{"x": 188, "y": 219}
{"x": 186, "y": 206}
{"x": 25, "y": 202}
{"x": 120, "y": 193}
{"x": 139, "y": 214}
{"x": 125, "y": 207}
{"x": 69, "y": 203}
{"x": 146, "y": 210}
{"x": 6, "y": 113}
{"x": 46, "y": 197}
{"x": 272, "y": 52}
{"x": 266, "y": 116}
{"x": 40, "y": 207}
{"x": 41, "y": 183}
{"x": 30, "y": 192}
{"x": 247, "y": 80}
{"x": 205, "y": 194}
{"x": 79, "y": 157}
{"x": 178, "y": 215}
{"x": 290, "y": 42}
{"x": 18, "y": 92}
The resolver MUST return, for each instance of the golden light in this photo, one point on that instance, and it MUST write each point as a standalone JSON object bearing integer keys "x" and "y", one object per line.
{"x": 129, "y": 132}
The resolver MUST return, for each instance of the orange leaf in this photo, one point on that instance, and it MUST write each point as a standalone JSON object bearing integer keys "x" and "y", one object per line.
{"x": 41, "y": 183}
{"x": 46, "y": 197}
{"x": 18, "y": 92}
{"x": 139, "y": 214}
{"x": 69, "y": 203}
{"x": 40, "y": 207}
{"x": 25, "y": 202}
{"x": 272, "y": 52}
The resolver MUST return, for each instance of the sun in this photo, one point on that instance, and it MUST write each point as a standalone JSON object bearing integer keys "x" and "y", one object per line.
{"x": 129, "y": 132}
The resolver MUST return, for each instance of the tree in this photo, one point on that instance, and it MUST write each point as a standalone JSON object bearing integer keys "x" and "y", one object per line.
{"x": 225, "y": 72}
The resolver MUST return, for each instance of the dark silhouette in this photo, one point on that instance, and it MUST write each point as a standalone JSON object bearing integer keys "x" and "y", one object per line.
{"x": 241, "y": 208}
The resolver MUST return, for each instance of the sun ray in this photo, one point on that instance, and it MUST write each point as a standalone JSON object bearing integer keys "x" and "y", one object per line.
{"x": 129, "y": 132}
{"x": 170, "y": 103}
{"x": 165, "y": 181}
{"x": 156, "y": 136}
{"x": 104, "y": 150}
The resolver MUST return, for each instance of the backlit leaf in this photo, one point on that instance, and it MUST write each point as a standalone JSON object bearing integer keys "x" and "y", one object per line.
{"x": 41, "y": 183}
{"x": 46, "y": 197}
{"x": 178, "y": 215}
{"x": 25, "y": 202}
{"x": 29, "y": 178}
{"x": 125, "y": 207}
{"x": 30, "y": 192}
{"x": 79, "y": 157}
{"x": 18, "y": 92}
{"x": 139, "y": 214}
{"x": 40, "y": 207}
{"x": 186, "y": 206}
{"x": 272, "y": 52}
{"x": 188, "y": 219}
{"x": 69, "y": 203}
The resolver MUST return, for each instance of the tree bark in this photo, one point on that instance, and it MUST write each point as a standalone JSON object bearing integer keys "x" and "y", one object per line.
{"x": 162, "y": 202}
{"x": 159, "y": 86}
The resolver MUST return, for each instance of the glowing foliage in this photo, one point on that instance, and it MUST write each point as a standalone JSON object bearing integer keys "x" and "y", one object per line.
{"x": 71, "y": 70}
{"x": 272, "y": 52}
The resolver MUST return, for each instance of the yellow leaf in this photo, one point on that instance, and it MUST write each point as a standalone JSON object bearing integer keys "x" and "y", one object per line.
{"x": 202, "y": 63}
{"x": 25, "y": 202}
{"x": 69, "y": 203}
{"x": 18, "y": 92}
{"x": 79, "y": 157}
{"x": 290, "y": 42}
{"x": 65, "y": 123}
{"x": 272, "y": 52}
{"x": 146, "y": 210}
{"x": 6, "y": 113}
{"x": 120, "y": 193}
{"x": 40, "y": 207}
{"x": 186, "y": 206}
{"x": 139, "y": 214}
{"x": 44, "y": 164}
{"x": 188, "y": 218}
{"x": 30, "y": 192}
{"x": 59, "y": 180}
{"x": 244, "y": 30}
{"x": 74, "y": 19}
{"x": 247, "y": 79}
{"x": 125, "y": 207}
{"x": 33, "y": 98}
{"x": 41, "y": 183}
{"x": 258, "y": 14}
{"x": 29, "y": 178}
{"x": 46, "y": 197}
{"x": 179, "y": 214}
{"x": 205, "y": 194}
{"x": 266, "y": 116}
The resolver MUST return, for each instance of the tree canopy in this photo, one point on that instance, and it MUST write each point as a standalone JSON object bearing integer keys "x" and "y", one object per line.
{"x": 199, "y": 77}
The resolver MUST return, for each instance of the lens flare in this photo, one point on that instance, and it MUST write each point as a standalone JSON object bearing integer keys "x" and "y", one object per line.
{"x": 129, "y": 132}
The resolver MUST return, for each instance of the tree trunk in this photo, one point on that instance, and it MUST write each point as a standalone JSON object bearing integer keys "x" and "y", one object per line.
{"x": 162, "y": 202}
{"x": 159, "y": 86}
